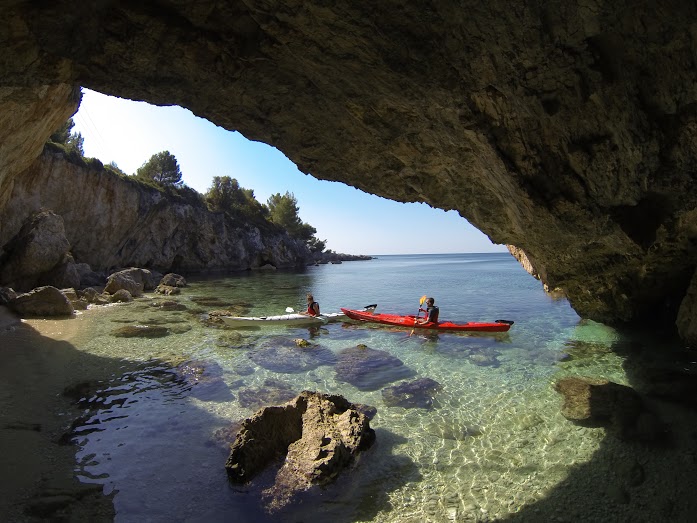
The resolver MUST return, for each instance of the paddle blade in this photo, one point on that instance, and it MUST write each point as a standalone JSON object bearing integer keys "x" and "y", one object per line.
{"x": 290, "y": 309}
{"x": 422, "y": 300}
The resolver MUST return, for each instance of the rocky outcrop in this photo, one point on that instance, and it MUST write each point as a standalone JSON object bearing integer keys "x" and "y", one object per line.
{"x": 42, "y": 301}
{"x": 564, "y": 129}
{"x": 115, "y": 222}
{"x": 39, "y": 248}
{"x": 598, "y": 402}
{"x": 320, "y": 435}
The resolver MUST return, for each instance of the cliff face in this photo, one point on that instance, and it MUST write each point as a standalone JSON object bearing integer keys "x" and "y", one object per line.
{"x": 111, "y": 222}
{"x": 566, "y": 129}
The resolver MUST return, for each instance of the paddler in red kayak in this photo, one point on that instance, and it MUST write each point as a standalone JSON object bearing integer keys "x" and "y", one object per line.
{"x": 431, "y": 311}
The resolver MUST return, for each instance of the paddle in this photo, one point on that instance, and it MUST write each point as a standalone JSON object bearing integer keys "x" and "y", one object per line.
{"x": 421, "y": 302}
{"x": 290, "y": 309}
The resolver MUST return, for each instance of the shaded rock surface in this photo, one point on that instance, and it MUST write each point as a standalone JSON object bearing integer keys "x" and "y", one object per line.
{"x": 564, "y": 130}
{"x": 42, "y": 301}
{"x": 317, "y": 435}
{"x": 598, "y": 402}
{"x": 38, "y": 248}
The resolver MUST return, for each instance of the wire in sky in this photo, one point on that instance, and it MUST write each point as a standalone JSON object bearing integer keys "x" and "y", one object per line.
{"x": 86, "y": 122}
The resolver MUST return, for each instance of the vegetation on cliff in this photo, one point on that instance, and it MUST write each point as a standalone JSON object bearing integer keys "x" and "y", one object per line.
{"x": 225, "y": 195}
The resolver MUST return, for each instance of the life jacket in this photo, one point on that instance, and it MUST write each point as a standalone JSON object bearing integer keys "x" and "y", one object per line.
{"x": 311, "y": 310}
{"x": 432, "y": 313}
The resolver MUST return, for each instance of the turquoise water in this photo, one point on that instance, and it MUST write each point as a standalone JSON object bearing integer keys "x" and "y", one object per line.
{"x": 490, "y": 444}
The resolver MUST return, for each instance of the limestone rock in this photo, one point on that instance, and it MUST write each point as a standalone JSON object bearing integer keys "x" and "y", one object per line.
{"x": 565, "y": 131}
{"x": 173, "y": 280}
{"x": 121, "y": 296}
{"x": 370, "y": 369}
{"x": 42, "y": 301}
{"x": 598, "y": 402}
{"x": 38, "y": 247}
{"x": 111, "y": 222}
{"x": 63, "y": 275}
{"x": 124, "y": 280}
{"x": 686, "y": 321}
{"x": 88, "y": 277}
{"x": 412, "y": 394}
{"x": 320, "y": 435}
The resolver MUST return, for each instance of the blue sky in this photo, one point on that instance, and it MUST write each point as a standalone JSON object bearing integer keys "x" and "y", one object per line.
{"x": 351, "y": 221}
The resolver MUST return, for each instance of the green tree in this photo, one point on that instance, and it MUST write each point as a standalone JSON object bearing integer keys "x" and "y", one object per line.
{"x": 316, "y": 245}
{"x": 162, "y": 168}
{"x": 283, "y": 211}
{"x": 73, "y": 142}
{"x": 113, "y": 166}
{"x": 226, "y": 195}
{"x": 62, "y": 134}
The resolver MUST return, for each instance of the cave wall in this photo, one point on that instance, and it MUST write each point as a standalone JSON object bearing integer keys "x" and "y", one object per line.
{"x": 566, "y": 129}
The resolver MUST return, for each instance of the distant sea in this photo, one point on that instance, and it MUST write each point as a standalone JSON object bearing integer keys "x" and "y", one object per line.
{"x": 490, "y": 445}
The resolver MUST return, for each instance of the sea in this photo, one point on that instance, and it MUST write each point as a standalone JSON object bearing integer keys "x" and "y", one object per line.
{"x": 485, "y": 442}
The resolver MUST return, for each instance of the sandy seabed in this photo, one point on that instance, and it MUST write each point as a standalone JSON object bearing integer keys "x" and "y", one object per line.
{"x": 37, "y": 481}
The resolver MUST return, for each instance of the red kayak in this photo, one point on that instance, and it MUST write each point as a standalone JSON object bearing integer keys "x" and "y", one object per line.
{"x": 410, "y": 322}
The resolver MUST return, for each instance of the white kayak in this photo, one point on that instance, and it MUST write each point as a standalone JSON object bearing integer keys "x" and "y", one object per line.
{"x": 282, "y": 319}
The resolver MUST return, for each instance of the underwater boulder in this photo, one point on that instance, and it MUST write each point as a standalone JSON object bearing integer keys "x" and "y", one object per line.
{"x": 370, "y": 369}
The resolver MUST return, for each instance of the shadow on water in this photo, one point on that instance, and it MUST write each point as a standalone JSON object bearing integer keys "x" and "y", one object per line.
{"x": 630, "y": 480}
{"x": 38, "y": 483}
{"x": 89, "y": 438}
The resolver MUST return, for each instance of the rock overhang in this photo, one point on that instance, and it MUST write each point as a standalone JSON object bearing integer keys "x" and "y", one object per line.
{"x": 565, "y": 130}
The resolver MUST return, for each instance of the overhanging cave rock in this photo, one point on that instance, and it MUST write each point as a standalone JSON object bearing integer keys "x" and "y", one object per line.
{"x": 567, "y": 129}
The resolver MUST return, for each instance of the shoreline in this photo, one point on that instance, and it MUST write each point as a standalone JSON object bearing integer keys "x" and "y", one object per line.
{"x": 38, "y": 363}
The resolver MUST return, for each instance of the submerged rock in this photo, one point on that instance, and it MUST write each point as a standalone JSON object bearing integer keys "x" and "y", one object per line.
{"x": 287, "y": 356}
{"x": 141, "y": 331}
{"x": 370, "y": 369}
{"x": 412, "y": 394}
{"x": 205, "y": 379}
{"x": 599, "y": 402}
{"x": 270, "y": 393}
{"x": 319, "y": 435}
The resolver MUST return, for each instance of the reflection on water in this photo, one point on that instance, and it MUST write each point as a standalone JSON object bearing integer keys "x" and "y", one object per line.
{"x": 469, "y": 429}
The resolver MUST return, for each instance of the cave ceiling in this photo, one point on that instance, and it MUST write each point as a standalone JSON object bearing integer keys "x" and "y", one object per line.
{"x": 567, "y": 129}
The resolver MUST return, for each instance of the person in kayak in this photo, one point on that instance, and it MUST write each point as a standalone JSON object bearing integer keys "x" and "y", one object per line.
{"x": 312, "y": 306}
{"x": 431, "y": 311}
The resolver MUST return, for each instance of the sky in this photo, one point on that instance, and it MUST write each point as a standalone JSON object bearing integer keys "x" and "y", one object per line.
{"x": 350, "y": 221}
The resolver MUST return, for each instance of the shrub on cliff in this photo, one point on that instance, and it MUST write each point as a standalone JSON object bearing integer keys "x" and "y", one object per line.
{"x": 283, "y": 210}
{"x": 162, "y": 168}
{"x": 226, "y": 195}
{"x": 72, "y": 142}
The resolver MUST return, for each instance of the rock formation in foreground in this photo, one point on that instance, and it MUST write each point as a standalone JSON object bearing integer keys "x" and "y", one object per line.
{"x": 566, "y": 129}
{"x": 316, "y": 435}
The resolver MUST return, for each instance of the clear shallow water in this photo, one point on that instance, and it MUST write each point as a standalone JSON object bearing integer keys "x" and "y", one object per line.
{"x": 493, "y": 444}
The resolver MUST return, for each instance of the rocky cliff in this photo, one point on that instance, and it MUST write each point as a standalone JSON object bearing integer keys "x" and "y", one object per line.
{"x": 564, "y": 128}
{"x": 111, "y": 221}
